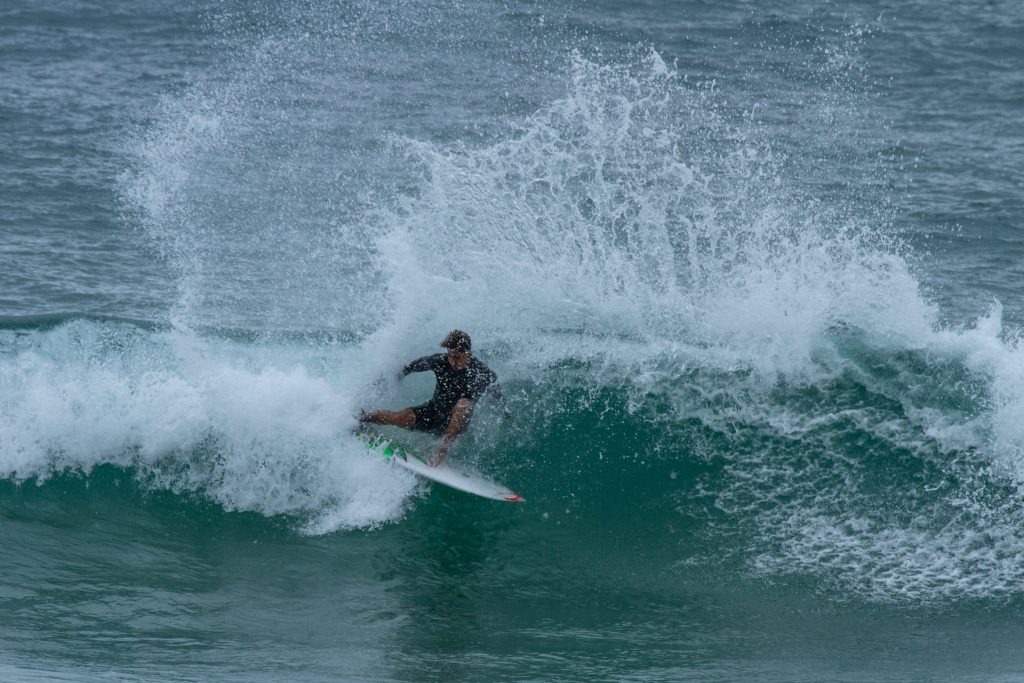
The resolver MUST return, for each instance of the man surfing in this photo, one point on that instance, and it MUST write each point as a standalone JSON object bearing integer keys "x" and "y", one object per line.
{"x": 461, "y": 380}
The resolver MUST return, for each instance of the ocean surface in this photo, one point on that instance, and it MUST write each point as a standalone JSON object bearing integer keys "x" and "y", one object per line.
{"x": 751, "y": 274}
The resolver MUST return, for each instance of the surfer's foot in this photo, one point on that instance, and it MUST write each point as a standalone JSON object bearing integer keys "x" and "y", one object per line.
{"x": 361, "y": 423}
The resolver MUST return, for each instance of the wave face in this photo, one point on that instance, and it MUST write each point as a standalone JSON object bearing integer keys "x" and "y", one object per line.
{"x": 880, "y": 470}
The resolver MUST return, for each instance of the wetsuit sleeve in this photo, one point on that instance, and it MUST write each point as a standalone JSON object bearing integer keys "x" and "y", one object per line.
{"x": 483, "y": 379}
{"x": 489, "y": 385}
{"x": 495, "y": 391}
{"x": 422, "y": 364}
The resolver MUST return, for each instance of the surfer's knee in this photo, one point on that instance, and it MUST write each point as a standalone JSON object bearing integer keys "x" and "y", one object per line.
{"x": 460, "y": 414}
{"x": 399, "y": 418}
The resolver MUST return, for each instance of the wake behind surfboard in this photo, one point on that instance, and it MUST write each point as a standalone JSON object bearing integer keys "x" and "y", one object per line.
{"x": 446, "y": 474}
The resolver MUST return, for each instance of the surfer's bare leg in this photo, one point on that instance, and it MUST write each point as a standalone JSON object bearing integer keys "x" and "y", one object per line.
{"x": 461, "y": 413}
{"x": 399, "y": 418}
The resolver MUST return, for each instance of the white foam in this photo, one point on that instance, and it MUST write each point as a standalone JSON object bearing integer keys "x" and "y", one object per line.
{"x": 890, "y": 563}
{"x": 226, "y": 420}
{"x": 988, "y": 352}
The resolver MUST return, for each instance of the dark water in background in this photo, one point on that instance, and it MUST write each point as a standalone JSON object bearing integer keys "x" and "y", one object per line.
{"x": 751, "y": 276}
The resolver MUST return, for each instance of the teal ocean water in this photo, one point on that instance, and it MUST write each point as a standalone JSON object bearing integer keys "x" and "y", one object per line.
{"x": 750, "y": 274}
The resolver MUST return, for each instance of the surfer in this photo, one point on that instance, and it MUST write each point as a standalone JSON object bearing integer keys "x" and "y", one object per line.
{"x": 461, "y": 380}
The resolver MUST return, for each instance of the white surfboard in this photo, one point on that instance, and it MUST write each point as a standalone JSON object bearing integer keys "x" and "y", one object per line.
{"x": 446, "y": 474}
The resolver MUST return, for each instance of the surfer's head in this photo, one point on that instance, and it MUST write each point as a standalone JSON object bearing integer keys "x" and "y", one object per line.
{"x": 458, "y": 344}
{"x": 457, "y": 340}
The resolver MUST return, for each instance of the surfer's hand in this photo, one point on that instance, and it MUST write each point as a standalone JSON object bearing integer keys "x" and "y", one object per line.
{"x": 439, "y": 456}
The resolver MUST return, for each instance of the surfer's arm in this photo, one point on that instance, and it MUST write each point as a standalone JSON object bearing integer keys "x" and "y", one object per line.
{"x": 487, "y": 383}
{"x": 420, "y": 365}
{"x": 494, "y": 390}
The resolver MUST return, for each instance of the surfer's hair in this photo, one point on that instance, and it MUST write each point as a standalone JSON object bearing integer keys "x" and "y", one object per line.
{"x": 457, "y": 340}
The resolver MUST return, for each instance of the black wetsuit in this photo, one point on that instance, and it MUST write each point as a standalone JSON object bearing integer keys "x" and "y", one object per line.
{"x": 470, "y": 382}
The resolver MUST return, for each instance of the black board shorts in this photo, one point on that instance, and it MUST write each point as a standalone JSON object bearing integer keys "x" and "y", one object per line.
{"x": 431, "y": 417}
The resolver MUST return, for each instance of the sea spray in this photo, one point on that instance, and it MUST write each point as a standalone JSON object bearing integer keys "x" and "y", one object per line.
{"x": 635, "y": 207}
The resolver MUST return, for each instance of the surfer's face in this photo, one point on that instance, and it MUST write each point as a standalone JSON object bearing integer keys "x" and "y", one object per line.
{"x": 458, "y": 359}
